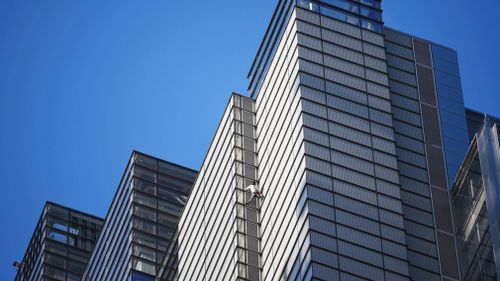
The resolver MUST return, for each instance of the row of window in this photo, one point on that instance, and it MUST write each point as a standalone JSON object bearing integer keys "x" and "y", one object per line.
{"x": 349, "y": 12}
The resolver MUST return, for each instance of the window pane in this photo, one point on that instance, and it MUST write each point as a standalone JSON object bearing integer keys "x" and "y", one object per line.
{"x": 336, "y": 14}
{"x": 371, "y": 25}
{"x": 144, "y": 253}
{"x": 373, "y": 3}
{"x": 371, "y": 13}
{"x": 144, "y": 266}
{"x": 307, "y": 4}
{"x": 346, "y": 5}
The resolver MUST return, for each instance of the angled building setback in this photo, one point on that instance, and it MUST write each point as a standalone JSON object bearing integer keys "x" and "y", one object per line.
{"x": 61, "y": 245}
{"x": 345, "y": 162}
{"x": 141, "y": 221}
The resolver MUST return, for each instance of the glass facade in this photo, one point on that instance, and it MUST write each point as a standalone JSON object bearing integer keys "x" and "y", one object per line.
{"x": 476, "y": 195}
{"x": 451, "y": 107}
{"x": 61, "y": 245}
{"x": 141, "y": 221}
{"x": 364, "y": 13}
{"x": 473, "y": 231}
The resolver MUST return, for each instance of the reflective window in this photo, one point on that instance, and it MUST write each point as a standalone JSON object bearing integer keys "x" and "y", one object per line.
{"x": 371, "y": 25}
{"x": 347, "y": 11}
{"x": 346, "y": 5}
{"x": 373, "y": 3}
{"x": 336, "y": 14}
{"x": 370, "y": 13}
{"x": 310, "y": 5}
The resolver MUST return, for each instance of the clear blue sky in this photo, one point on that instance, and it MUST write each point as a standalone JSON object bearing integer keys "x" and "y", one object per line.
{"x": 83, "y": 83}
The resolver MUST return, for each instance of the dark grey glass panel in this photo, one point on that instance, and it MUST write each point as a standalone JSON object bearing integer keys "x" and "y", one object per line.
{"x": 409, "y": 143}
{"x": 431, "y": 125}
{"x": 422, "y": 52}
{"x": 408, "y": 130}
{"x": 442, "y": 211}
{"x": 418, "y": 216}
{"x": 359, "y": 238}
{"x": 411, "y": 158}
{"x": 403, "y": 89}
{"x": 436, "y": 166}
{"x": 405, "y": 103}
{"x": 416, "y": 201}
{"x": 391, "y": 233}
{"x": 359, "y": 253}
{"x": 361, "y": 269}
{"x": 426, "y": 85}
{"x": 316, "y": 136}
{"x": 402, "y": 76}
{"x": 399, "y": 50}
{"x": 326, "y": 242}
{"x": 422, "y": 274}
{"x": 312, "y": 94}
{"x": 346, "y": 92}
{"x": 398, "y": 37}
{"x": 321, "y": 211}
{"x": 404, "y": 115}
{"x": 422, "y": 261}
{"x": 344, "y": 105}
{"x": 448, "y": 255}
{"x": 312, "y": 81}
{"x": 421, "y": 246}
{"x": 421, "y": 231}
{"x": 401, "y": 63}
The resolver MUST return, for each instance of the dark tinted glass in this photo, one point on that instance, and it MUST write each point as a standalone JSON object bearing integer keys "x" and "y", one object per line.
{"x": 442, "y": 209}
{"x": 448, "y": 255}
{"x": 436, "y": 166}
{"x": 422, "y": 52}
{"x": 431, "y": 125}
{"x": 426, "y": 85}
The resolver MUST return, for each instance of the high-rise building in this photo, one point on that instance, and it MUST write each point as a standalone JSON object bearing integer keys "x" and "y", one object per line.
{"x": 60, "y": 246}
{"x": 476, "y": 194}
{"x": 141, "y": 220}
{"x": 352, "y": 134}
{"x": 345, "y": 162}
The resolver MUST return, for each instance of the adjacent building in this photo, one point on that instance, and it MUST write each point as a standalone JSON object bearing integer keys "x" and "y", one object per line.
{"x": 61, "y": 245}
{"x": 476, "y": 193}
{"x": 141, "y": 220}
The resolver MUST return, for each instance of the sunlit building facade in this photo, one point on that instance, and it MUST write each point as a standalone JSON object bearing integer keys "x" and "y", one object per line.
{"x": 359, "y": 131}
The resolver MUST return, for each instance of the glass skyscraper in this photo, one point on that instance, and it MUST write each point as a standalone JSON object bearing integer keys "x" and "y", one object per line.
{"x": 358, "y": 131}
{"x": 61, "y": 245}
{"x": 344, "y": 162}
